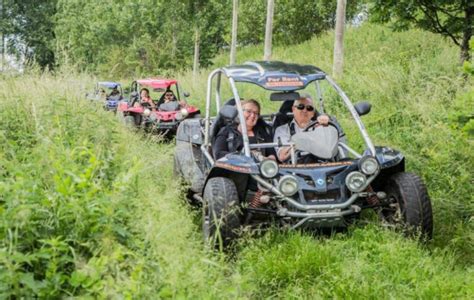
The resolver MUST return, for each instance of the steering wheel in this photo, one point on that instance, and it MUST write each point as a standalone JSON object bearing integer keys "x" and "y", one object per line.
{"x": 315, "y": 124}
{"x": 145, "y": 105}
{"x": 310, "y": 127}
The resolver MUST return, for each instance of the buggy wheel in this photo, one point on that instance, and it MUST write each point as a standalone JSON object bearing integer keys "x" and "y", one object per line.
{"x": 177, "y": 173}
{"x": 129, "y": 121}
{"x": 120, "y": 116}
{"x": 409, "y": 204}
{"x": 221, "y": 212}
{"x": 133, "y": 121}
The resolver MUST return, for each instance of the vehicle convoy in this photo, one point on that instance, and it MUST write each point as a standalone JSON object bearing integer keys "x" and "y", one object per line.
{"x": 158, "y": 115}
{"x": 109, "y": 92}
{"x": 347, "y": 174}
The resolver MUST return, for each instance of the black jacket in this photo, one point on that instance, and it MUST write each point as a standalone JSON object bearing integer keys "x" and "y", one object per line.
{"x": 230, "y": 140}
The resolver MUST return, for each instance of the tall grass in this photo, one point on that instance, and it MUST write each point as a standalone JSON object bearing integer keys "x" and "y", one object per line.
{"x": 88, "y": 208}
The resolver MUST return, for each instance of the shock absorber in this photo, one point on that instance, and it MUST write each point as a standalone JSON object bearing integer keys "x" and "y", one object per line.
{"x": 372, "y": 199}
{"x": 261, "y": 197}
{"x": 255, "y": 202}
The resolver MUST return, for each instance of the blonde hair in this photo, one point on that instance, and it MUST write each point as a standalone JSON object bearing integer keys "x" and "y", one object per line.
{"x": 252, "y": 101}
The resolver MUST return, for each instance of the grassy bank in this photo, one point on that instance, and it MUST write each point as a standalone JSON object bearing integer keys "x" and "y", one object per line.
{"x": 88, "y": 208}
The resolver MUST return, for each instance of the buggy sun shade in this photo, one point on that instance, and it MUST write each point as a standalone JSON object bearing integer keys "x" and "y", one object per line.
{"x": 109, "y": 84}
{"x": 157, "y": 83}
{"x": 275, "y": 75}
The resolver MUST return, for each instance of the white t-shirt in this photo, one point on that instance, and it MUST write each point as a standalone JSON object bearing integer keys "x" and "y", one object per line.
{"x": 283, "y": 132}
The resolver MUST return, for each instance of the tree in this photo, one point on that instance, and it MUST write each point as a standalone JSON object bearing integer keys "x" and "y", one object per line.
{"x": 268, "y": 30}
{"x": 450, "y": 18}
{"x": 3, "y": 36}
{"x": 294, "y": 21}
{"x": 233, "y": 45}
{"x": 196, "y": 50}
{"x": 127, "y": 38}
{"x": 29, "y": 26}
{"x": 339, "y": 38}
{"x": 206, "y": 18}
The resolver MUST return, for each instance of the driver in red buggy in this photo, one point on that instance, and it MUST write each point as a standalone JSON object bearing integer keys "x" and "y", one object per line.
{"x": 169, "y": 102}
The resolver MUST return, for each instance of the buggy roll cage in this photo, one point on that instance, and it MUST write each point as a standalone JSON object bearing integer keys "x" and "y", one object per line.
{"x": 273, "y": 76}
{"x": 160, "y": 83}
{"x": 109, "y": 85}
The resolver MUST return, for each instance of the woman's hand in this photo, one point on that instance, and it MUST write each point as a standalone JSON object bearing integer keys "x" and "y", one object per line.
{"x": 284, "y": 153}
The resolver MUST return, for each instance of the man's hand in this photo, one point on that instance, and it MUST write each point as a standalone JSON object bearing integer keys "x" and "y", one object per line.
{"x": 323, "y": 119}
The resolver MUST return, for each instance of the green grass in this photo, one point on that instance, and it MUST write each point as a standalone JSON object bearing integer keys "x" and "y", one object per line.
{"x": 88, "y": 208}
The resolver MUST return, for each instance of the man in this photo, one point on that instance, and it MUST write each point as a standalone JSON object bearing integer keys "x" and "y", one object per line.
{"x": 169, "y": 102}
{"x": 114, "y": 92}
{"x": 303, "y": 113}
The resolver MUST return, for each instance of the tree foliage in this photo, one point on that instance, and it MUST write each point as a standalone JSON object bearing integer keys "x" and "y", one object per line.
{"x": 124, "y": 37}
{"x": 294, "y": 21}
{"x": 450, "y": 18}
{"x": 29, "y": 27}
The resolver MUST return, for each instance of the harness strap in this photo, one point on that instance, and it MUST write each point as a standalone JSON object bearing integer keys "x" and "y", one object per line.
{"x": 292, "y": 128}
{"x": 230, "y": 142}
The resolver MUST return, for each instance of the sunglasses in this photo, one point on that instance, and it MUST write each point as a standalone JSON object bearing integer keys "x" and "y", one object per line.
{"x": 168, "y": 95}
{"x": 302, "y": 106}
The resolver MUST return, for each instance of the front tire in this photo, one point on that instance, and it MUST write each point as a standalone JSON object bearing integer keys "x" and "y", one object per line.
{"x": 221, "y": 212}
{"x": 409, "y": 204}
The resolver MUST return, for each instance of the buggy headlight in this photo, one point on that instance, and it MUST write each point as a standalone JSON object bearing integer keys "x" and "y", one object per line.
{"x": 146, "y": 112}
{"x": 268, "y": 168}
{"x": 368, "y": 165}
{"x": 184, "y": 112}
{"x": 288, "y": 185}
{"x": 356, "y": 181}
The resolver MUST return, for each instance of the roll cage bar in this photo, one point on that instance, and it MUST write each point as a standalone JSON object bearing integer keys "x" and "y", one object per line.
{"x": 109, "y": 85}
{"x": 156, "y": 83}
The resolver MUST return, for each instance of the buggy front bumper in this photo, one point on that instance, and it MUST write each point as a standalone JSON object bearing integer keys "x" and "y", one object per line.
{"x": 322, "y": 213}
{"x": 161, "y": 126}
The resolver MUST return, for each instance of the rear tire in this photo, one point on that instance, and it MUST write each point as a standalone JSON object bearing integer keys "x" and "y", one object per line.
{"x": 221, "y": 212}
{"x": 410, "y": 204}
{"x": 129, "y": 121}
{"x": 176, "y": 168}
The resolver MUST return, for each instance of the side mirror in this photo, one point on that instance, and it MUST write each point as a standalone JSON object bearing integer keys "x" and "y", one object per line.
{"x": 186, "y": 94}
{"x": 362, "y": 108}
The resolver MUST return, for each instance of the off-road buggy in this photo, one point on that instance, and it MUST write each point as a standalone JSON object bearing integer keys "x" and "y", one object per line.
{"x": 329, "y": 192}
{"x": 167, "y": 116}
{"x": 110, "y": 93}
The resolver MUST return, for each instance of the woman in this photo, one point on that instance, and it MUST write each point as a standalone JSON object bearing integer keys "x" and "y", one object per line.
{"x": 145, "y": 97}
{"x": 229, "y": 139}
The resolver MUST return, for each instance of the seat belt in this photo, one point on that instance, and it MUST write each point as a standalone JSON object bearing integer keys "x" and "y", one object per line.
{"x": 230, "y": 142}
